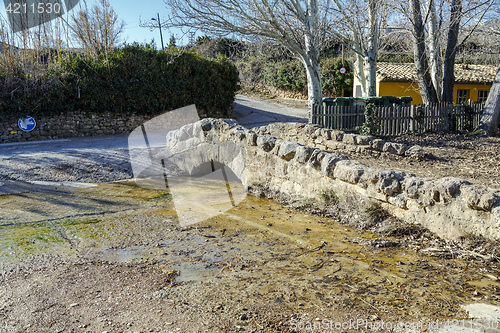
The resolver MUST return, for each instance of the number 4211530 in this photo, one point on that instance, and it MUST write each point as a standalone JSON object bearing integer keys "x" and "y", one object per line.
{"x": 40, "y": 8}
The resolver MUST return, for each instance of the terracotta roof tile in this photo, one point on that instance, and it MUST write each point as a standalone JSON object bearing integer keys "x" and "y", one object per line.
{"x": 397, "y": 72}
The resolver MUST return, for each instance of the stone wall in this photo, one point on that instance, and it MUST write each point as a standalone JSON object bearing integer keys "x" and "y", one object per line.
{"x": 316, "y": 136}
{"x": 72, "y": 124}
{"x": 450, "y": 207}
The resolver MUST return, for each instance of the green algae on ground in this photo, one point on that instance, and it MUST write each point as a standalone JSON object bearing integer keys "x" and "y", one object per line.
{"x": 17, "y": 241}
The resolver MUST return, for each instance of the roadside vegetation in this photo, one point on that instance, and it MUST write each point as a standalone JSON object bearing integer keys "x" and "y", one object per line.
{"x": 41, "y": 75}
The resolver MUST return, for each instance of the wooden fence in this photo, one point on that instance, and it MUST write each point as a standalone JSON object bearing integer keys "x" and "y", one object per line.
{"x": 398, "y": 120}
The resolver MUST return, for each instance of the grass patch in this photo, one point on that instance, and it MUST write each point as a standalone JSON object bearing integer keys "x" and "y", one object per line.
{"x": 5, "y": 196}
{"x": 161, "y": 197}
{"x": 28, "y": 239}
{"x": 375, "y": 212}
{"x": 329, "y": 197}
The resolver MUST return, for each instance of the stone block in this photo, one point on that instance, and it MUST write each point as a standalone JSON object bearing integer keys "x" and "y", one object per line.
{"x": 316, "y": 158}
{"x": 350, "y": 139}
{"x": 288, "y": 149}
{"x": 349, "y": 171}
{"x": 364, "y": 140}
{"x": 388, "y": 147}
{"x": 377, "y": 144}
{"x": 266, "y": 142}
{"x": 303, "y": 153}
{"x": 480, "y": 197}
{"x": 329, "y": 161}
{"x": 337, "y": 135}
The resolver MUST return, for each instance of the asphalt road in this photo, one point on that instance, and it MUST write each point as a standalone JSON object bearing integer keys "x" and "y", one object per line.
{"x": 251, "y": 112}
{"x": 45, "y": 165}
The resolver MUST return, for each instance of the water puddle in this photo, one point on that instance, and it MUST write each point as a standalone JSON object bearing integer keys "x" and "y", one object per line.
{"x": 193, "y": 271}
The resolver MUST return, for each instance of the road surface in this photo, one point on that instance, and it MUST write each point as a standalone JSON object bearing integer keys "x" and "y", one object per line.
{"x": 31, "y": 166}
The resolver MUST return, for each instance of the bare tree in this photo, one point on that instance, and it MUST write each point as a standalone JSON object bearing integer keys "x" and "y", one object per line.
{"x": 450, "y": 24}
{"x": 361, "y": 20}
{"x": 434, "y": 47}
{"x": 97, "y": 29}
{"x": 302, "y": 26}
{"x": 424, "y": 79}
{"x": 451, "y": 51}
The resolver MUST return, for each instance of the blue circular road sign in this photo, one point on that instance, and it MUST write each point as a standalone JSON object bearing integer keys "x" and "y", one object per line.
{"x": 27, "y": 124}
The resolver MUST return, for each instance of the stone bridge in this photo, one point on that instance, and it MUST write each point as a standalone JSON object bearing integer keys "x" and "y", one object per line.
{"x": 450, "y": 207}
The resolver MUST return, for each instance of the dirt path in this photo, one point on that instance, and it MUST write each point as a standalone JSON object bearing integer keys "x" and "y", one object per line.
{"x": 475, "y": 159}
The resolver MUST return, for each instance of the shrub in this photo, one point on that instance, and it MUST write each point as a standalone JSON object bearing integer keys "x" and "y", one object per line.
{"x": 288, "y": 75}
{"x": 133, "y": 79}
{"x": 291, "y": 75}
{"x": 333, "y": 81}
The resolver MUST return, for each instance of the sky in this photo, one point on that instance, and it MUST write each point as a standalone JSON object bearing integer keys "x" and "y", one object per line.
{"x": 132, "y": 12}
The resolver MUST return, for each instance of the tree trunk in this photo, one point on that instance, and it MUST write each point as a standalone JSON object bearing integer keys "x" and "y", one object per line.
{"x": 451, "y": 51}
{"x": 314, "y": 87}
{"x": 491, "y": 112}
{"x": 421, "y": 62}
{"x": 360, "y": 74}
{"x": 434, "y": 58}
{"x": 372, "y": 51}
{"x": 311, "y": 58}
{"x": 371, "y": 74}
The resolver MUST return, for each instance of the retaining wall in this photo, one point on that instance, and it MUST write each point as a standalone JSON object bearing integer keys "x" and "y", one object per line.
{"x": 72, "y": 124}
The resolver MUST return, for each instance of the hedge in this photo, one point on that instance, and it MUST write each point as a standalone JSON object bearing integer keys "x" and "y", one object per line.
{"x": 133, "y": 79}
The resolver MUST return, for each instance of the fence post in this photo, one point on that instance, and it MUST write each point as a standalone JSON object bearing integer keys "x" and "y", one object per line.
{"x": 412, "y": 119}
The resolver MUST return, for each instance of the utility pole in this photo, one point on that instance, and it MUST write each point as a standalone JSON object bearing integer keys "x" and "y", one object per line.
{"x": 159, "y": 26}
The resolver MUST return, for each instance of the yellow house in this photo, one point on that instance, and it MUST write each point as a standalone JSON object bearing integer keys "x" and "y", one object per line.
{"x": 472, "y": 82}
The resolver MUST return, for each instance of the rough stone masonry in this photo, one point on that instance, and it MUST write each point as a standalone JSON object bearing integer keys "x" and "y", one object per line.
{"x": 450, "y": 207}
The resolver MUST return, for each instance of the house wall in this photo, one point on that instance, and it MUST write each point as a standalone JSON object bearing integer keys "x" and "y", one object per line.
{"x": 400, "y": 89}
{"x": 473, "y": 90}
{"x": 356, "y": 91}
